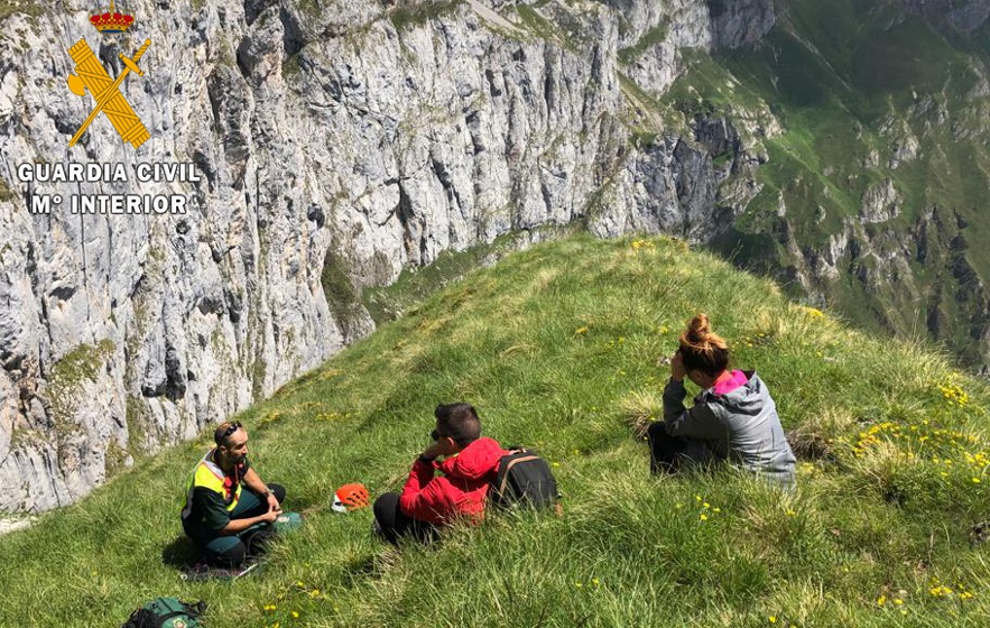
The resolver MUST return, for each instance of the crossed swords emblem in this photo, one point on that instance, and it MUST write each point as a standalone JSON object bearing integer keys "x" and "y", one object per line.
{"x": 91, "y": 75}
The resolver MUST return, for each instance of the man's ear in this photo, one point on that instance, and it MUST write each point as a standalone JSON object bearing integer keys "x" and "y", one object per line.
{"x": 451, "y": 445}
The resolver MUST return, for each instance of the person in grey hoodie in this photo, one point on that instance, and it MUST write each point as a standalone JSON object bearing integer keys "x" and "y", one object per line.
{"x": 733, "y": 417}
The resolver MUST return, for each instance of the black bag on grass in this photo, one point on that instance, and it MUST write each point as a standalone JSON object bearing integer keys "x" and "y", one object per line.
{"x": 523, "y": 477}
{"x": 256, "y": 541}
{"x": 167, "y": 612}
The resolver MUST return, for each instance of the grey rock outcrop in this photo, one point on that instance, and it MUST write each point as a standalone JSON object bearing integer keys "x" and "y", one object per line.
{"x": 880, "y": 203}
{"x": 966, "y": 16}
{"x": 737, "y": 23}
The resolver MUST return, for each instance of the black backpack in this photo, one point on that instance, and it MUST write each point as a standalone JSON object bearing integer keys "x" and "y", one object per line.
{"x": 166, "y": 612}
{"x": 523, "y": 477}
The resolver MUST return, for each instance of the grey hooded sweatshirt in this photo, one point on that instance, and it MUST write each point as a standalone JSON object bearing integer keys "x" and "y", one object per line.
{"x": 741, "y": 425}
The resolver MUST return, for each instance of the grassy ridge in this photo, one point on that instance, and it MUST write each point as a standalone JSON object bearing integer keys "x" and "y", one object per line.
{"x": 558, "y": 346}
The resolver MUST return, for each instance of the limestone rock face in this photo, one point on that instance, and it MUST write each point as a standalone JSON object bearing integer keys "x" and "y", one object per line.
{"x": 880, "y": 203}
{"x": 738, "y": 23}
{"x": 336, "y": 143}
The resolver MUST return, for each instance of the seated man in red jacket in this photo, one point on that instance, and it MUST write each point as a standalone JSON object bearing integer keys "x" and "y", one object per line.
{"x": 429, "y": 500}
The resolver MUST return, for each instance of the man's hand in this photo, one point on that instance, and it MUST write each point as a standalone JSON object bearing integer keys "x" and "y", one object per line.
{"x": 272, "y": 514}
{"x": 273, "y": 501}
{"x": 443, "y": 447}
{"x": 677, "y": 371}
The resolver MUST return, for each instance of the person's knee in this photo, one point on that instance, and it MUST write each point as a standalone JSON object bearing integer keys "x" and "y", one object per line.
{"x": 385, "y": 508}
{"x": 230, "y": 555}
{"x": 656, "y": 432}
{"x": 278, "y": 491}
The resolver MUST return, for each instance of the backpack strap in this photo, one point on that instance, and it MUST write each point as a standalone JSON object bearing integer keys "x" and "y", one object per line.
{"x": 508, "y": 468}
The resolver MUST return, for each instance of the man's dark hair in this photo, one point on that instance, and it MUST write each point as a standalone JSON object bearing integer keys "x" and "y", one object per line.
{"x": 459, "y": 421}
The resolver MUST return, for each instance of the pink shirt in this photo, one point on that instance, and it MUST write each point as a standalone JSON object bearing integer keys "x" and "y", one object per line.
{"x": 727, "y": 382}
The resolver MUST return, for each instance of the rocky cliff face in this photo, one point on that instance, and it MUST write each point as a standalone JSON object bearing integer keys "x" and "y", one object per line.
{"x": 338, "y": 142}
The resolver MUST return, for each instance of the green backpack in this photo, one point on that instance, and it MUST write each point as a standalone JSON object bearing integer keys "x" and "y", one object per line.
{"x": 167, "y": 612}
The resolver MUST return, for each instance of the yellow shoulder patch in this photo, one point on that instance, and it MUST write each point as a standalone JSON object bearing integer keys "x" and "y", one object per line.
{"x": 207, "y": 478}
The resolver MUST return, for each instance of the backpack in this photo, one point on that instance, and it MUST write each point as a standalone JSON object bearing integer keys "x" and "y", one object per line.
{"x": 523, "y": 477}
{"x": 167, "y": 612}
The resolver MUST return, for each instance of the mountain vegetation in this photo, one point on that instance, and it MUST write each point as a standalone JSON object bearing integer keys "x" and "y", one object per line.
{"x": 561, "y": 348}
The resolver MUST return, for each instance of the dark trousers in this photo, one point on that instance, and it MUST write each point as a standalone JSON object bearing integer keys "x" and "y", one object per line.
{"x": 230, "y": 550}
{"x": 393, "y": 524}
{"x": 668, "y": 453}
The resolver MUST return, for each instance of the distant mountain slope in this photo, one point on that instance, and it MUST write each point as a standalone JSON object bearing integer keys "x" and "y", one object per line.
{"x": 864, "y": 131}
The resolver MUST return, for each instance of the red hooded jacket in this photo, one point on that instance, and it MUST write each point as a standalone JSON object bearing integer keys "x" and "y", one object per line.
{"x": 461, "y": 491}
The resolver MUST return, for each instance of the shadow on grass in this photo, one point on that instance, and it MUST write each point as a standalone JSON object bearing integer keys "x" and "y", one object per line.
{"x": 180, "y": 553}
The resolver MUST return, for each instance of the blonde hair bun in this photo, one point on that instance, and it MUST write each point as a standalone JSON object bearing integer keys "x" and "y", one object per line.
{"x": 699, "y": 336}
{"x": 699, "y": 327}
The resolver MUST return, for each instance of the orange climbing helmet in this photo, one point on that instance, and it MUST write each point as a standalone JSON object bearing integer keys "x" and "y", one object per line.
{"x": 350, "y": 497}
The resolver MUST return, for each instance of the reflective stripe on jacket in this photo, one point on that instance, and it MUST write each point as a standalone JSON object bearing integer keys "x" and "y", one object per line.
{"x": 207, "y": 474}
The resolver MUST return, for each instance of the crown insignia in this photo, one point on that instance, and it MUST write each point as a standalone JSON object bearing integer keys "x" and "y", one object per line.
{"x": 112, "y": 21}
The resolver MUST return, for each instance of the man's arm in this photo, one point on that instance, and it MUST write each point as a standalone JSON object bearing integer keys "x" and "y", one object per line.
{"x": 253, "y": 481}
{"x": 216, "y": 517}
{"x": 423, "y": 497}
{"x": 239, "y": 525}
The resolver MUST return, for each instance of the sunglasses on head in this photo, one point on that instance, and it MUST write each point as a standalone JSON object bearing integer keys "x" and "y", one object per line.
{"x": 233, "y": 427}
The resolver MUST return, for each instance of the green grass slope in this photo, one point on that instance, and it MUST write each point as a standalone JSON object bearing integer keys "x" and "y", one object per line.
{"x": 558, "y": 347}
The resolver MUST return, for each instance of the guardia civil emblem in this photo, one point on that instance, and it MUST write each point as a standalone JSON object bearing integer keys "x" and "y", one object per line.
{"x": 90, "y": 76}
